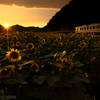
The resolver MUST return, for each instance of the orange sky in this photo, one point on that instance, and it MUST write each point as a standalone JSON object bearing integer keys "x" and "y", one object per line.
{"x": 12, "y": 15}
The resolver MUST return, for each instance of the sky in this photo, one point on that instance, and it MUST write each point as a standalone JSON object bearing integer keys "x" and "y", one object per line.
{"x": 29, "y": 12}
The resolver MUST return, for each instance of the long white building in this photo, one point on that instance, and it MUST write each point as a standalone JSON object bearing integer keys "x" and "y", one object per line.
{"x": 95, "y": 27}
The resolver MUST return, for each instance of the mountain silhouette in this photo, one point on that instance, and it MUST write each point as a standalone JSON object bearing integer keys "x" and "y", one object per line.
{"x": 76, "y": 13}
{"x": 21, "y": 28}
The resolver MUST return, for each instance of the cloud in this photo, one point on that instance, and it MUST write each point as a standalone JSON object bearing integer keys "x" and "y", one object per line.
{"x": 36, "y": 3}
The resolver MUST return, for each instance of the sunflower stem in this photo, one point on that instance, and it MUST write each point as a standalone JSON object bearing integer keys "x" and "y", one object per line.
{"x": 7, "y": 40}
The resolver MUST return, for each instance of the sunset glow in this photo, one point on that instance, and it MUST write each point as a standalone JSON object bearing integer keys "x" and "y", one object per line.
{"x": 25, "y": 16}
{"x": 6, "y": 25}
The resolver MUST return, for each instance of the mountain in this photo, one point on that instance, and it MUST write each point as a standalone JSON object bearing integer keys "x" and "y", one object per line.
{"x": 1, "y": 28}
{"x": 76, "y": 13}
{"x": 21, "y": 28}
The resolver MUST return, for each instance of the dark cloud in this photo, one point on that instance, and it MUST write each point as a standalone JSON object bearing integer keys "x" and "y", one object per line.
{"x": 36, "y": 3}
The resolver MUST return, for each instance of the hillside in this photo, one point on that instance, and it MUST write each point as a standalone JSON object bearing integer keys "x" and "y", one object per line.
{"x": 21, "y": 28}
{"x": 76, "y": 13}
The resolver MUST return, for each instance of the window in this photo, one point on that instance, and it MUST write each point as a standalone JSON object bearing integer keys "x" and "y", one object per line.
{"x": 98, "y": 26}
{"x": 84, "y": 28}
{"x": 87, "y": 28}
{"x": 93, "y": 27}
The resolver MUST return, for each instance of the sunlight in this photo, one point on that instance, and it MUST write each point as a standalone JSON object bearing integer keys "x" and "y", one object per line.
{"x": 6, "y": 25}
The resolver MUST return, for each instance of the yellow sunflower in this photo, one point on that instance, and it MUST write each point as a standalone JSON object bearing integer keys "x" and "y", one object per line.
{"x": 92, "y": 59}
{"x": 86, "y": 75}
{"x": 67, "y": 62}
{"x": 34, "y": 65}
{"x": 59, "y": 39}
{"x": 18, "y": 43}
{"x": 99, "y": 42}
{"x": 61, "y": 44}
{"x": 6, "y": 71}
{"x": 49, "y": 37}
{"x": 15, "y": 38}
{"x": 17, "y": 33}
{"x": 43, "y": 41}
{"x": 26, "y": 33}
{"x": 13, "y": 55}
{"x": 29, "y": 46}
{"x": 5, "y": 35}
{"x": 12, "y": 46}
{"x": 82, "y": 44}
{"x": 62, "y": 54}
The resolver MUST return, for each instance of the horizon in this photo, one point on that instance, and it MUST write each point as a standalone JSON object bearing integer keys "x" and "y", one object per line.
{"x": 29, "y": 13}
{"x": 19, "y": 25}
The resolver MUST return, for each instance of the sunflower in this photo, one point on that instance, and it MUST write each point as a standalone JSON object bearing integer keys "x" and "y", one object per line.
{"x": 26, "y": 33}
{"x": 67, "y": 62}
{"x": 29, "y": 46}
{"x": 12, "y": 46}
{"x": 14, "y": 37}
{"x": 94, "y": 43}
{"x": 5, "y": 35}
{"x": 49, "y": 37}
{"x": 92, "y": 59}
{"x": 99, "y": 42}
{"x": 81, "y": 37}
{"x": 43, "y": 41}
{"x": 6, "y": 71}
{"x": 34, "y": 65}
{"x": 62, "y": 54}
{"x": 82, "y": 44}
{"x": 13, "y": 55}
{"x": 18, "y": 43}
{"x": 86, "y": 75}
{"x": 17, "y": 33}
{"x": 67, "y": 40}
{"x": 61, "y": 44}
{"x": 59, "y": 39}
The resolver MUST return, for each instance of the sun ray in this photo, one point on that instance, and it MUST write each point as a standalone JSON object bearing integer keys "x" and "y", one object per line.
{"x": 6, "y": 25}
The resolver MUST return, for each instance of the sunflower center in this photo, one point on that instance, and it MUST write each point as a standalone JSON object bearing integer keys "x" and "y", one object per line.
{"x": 29, "y": 46}
{"x": 18, "y": 43}
{"x": 5, "y": 72}
{"x": 14, "y": 55}
{"x": 82, "y": 44}
{"x": 14, "y": 38}
{"x": 58, "y": 39}
{"x": 43, "y": 41}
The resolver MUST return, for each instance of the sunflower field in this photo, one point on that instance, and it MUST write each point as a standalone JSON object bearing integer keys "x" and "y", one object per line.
{"x": 49, "y": 66}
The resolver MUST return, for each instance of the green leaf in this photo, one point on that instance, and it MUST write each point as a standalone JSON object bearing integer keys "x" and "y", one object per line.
{"x": 77, "y": 93}
{"x": 39, "y": 79}
{"x": 3, "y": 52}
{"x": 78, "y": 64}
{"x": 3, "y": 59}
{"x": 2, "y": 91}
{"x": 43, "y": 92}
{"x": 80, "y": 78}
{"x": 24, "y": 73}
{"x": 52, "y": 79}
{"x": 48, "y": 56}
{"x": 23, "y": 45}
{"x": 24, "y": 63}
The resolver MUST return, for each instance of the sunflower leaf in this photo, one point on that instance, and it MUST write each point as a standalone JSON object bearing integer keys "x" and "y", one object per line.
{"x": 39, "y": 79}
{"x": 3, "y": 59}
{"x": 78, "y": 64}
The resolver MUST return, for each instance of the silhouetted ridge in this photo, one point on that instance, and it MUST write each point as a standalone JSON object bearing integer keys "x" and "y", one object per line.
{"x": 76, "y": 13}
{"x": 21, "y": 28}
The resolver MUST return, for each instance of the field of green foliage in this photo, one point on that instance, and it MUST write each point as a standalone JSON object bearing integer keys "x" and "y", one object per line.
{"x": 49, "y": 66}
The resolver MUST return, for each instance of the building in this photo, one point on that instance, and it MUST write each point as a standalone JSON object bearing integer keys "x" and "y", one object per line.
{"x": 95, "y": 28}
